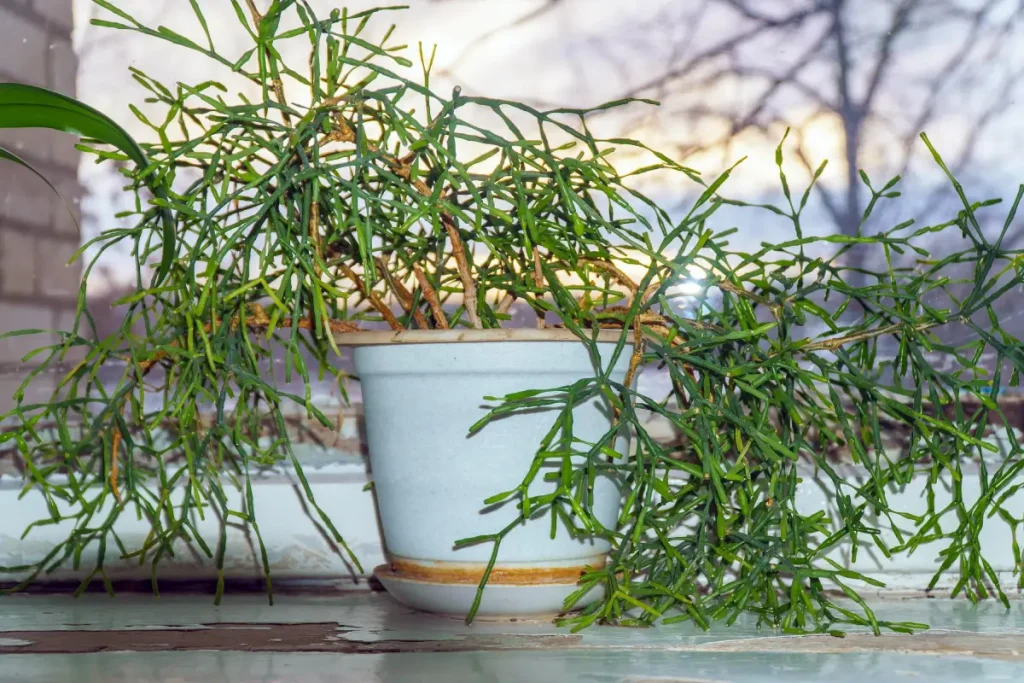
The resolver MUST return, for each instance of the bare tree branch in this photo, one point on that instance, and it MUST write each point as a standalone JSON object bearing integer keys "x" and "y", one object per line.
{"x": 882, "y": 63}
{"x": 719, "y": 50}
{"x": 735, "y": 66}
{"x": 544, "y": 8}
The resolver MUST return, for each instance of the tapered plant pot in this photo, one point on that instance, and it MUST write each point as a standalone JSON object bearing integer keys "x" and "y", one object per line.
{"x": 422, "y": 391}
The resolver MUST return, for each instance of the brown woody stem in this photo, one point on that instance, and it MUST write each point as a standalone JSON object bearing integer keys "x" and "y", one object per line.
{"x": 374, "y": 300}
{"x": 431, "y": 296}
{"x": 404, "y": 171}
{"x": 469, "y": 299}
{"x": 314, "y": 235}
{"x": 611, "y": 270}
{"x": 538, "y": 280}
{"x": 403, "y": 295}
{"x": 506, "y": 303}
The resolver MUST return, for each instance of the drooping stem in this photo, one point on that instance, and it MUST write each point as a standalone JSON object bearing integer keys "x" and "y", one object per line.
{"x": 257, "y": 318}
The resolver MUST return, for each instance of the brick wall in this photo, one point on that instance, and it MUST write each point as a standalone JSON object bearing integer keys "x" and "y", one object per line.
{"x": 37, "y": 235}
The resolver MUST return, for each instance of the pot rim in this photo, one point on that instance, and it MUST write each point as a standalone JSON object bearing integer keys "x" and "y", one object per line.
{"x": 467, "y": 335}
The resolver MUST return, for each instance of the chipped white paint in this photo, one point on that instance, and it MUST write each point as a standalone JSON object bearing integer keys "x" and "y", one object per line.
{"x": 14, "y": 642}
{"x": 742, "y": 653}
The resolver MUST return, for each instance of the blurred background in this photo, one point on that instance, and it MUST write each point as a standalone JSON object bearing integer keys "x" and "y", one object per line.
{"x": 855, "y": 81}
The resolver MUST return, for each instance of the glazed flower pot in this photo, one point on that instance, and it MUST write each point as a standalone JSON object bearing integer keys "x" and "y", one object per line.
{"x": 422, "y": 391}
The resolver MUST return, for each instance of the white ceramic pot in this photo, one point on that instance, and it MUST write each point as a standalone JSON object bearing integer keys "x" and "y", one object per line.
{"x": 422, "y": 390}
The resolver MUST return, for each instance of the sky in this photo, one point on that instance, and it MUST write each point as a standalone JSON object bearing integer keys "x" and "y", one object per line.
{"x": 579, "y": 54}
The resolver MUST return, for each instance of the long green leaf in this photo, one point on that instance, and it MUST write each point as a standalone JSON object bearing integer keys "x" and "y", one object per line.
{"x": 11, "y": 156}
{"x": 26, "y": 106}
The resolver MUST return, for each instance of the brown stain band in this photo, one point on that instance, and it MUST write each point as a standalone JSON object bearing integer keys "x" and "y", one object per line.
{"x": 261, "y": 637}
{"x": 502, "y": 575}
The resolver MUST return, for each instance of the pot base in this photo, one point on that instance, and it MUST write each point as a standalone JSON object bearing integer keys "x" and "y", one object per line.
{"x": 499, "y": 601}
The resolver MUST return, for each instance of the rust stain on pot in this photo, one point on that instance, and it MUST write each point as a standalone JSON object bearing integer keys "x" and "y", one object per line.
{"x": 506, "y": 576}
{"x": 314, "y": 637}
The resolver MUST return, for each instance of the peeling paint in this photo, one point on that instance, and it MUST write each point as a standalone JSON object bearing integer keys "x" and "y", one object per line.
{"x": 1009, "y": 647}
{"x": 315, "y": 637}
{"x": 370, "y": 636}
{"x": 671, "y": 680}
{"x": 299, "y": 638}
{"x": 14, "y": 642}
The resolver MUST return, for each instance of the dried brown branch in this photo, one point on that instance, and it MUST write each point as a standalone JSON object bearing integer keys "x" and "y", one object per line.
{"x": 611, "y": 269}
{"x": 403, "y": 295}
{"x": 837, "y": 342}
{"x": 308, "y": 323}
{"x": 431, "y": 296}
{"x": 538, "y": 281}
{"x": 469, "y": 293}
{"x": 314, "y": 236}
{"x": 404, "y": 171}
{"x": 728, "y": 286}
{"x": 469, "y": 298}
{"x": 374, "y": 300}
{"x": 115, "y": 447}
{"x": 506, "y": 303}
{"x": 638, "y": 352}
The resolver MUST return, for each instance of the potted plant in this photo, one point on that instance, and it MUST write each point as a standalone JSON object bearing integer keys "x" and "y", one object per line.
{"x": 336, "y": 202}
